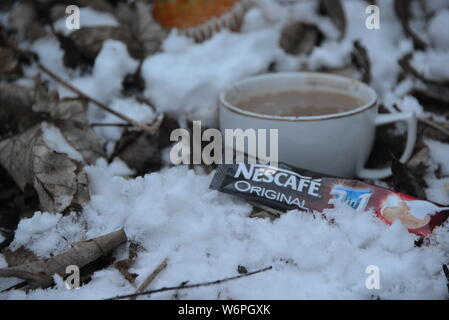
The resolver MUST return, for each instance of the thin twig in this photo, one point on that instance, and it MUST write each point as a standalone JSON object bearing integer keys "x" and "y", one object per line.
{"x": 434, "y": 125}
{"x": 196, "y": 285}
{"x": 151, "y": 277}
{"x": 150, "y": 129}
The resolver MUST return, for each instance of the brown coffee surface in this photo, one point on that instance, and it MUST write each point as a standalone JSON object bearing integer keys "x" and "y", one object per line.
{"x": 299, "y": 103}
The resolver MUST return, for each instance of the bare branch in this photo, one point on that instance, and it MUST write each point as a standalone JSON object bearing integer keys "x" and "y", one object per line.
{"x": 150, "y": 129}
{"x": 196, "y": 285}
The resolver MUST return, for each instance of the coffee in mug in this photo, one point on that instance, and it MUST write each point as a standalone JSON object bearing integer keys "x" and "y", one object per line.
{"x": 300, "y": 103}
{"x": 325, "y": 123}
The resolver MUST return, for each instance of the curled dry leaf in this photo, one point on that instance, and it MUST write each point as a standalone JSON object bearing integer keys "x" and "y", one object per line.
{"x": 410, "y": 179}
{"x": 123, "y": 266}
{"x": 334, "y": 9}
{"x": 8, "y": 60}
{"x": 360, "y": 60}
{"x": 58, "y": 180}
{"x": 15, "y": 113}
{"x": 406, "y": 65}
{"x": 55, "y": 175}
{"x": 19, "y": 257}
{"x": 139, "y": 150}
{"x": 402, "y": 9}
{"x": 434, "y": 96}
{"x": 40, "y": 273}
{"x": 23, "y": 19}
{"x": 89, "y": 40}
{"x": 73, "y": 57}
{"x": 299, "y": 38}
{"x": 138, "y": 18}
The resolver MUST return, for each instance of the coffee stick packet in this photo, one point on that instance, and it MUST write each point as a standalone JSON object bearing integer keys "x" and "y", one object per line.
{"x": 285, "y": 188}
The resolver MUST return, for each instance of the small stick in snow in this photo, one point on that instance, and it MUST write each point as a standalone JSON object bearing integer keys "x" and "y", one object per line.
{"x": 150, "y": 129}
{"x": 151, "y": 277}
{"x": 190, "y": 286}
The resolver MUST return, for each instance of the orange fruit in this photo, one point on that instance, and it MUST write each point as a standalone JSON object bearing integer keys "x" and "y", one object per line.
{"x": 184, "y": 14}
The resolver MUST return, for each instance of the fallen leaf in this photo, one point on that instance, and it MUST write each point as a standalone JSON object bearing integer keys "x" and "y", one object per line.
{"x": 409, "y": 180}
{"x": 89, "y": 40}
{"x": 16, "y": 114}
{"x": 360, "y": 59}
{"x": 138, "y": 18}
{"x": 139, "y": 150}
{"x": 64, "y": 109}
{"x": 59, "y": 180}
{"x": 23, "y": 19}
{"x": 19, "y": 257}
{"x": 123, "y": 266}
{"x": 334, "y": 9}
{"x": 40, "y": 273}
{"x": 406, "y": 65}
{"x": 435, "y": 96}
{"x": 402, "y": 9}
{"x": 8, "y": 60}
{"x": 73, "y": 57}
{"x": 55, "y": 176}
{"x": 242, "y": 269}
{"x": 299, "y": 38}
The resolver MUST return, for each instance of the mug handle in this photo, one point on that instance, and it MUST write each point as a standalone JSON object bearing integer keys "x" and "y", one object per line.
{"x": 410, "y": 119}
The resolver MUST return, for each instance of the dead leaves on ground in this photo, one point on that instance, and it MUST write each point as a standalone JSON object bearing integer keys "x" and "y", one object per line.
{"x": 403, "y": 11}
{"x": 40, "y": 273}
{"x": 29, "y": 157}
{"x": 334, "y": 9}
{"x": 299, "y": 38}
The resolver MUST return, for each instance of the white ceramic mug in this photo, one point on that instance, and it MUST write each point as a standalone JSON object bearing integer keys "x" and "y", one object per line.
{"x": 336, "y": 144}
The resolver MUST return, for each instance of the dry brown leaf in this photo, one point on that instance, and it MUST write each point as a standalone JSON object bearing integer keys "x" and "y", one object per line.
{"x": 82, "y": 137}
{"x": 40, "y": 273}
{"x": 65, "y": 109}
{"x": 123, "y": 266}
{"x": 19, "y": 256}
{"x": 139, "y": 150}
{"x": 89, "y": 40}
{"x": 139, "y": 20}
{"x": 23, "y": 18}
{"x": 299, "y": 38}
{"x": 58, "y": 180}
{"x": 15, "y": 112}
{"x": 434, "y": 96}
{"x": 409, "y": 180}
{"x": 334, "y": 9}
{"x": 402, "y": 9}
{"x": 360, "y": 59}
{"x": 8, "y": 60}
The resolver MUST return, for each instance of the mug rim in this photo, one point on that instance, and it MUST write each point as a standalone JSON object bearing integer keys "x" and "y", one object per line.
{"x": 372, "y": 102}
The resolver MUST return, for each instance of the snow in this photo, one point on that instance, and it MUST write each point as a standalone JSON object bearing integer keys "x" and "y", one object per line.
{"x": 88, "y": 17}
{"x": 207, "y": 234}
{"x": 438, "y": 23}
{"x": 112, "y": 64}
{"x": 47, "y": 233}
{"x": 126, "y": 106}
{"x": 430, "y": 62}
{"x": 439, "y": 152}
{"x": 186, "y": 83}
